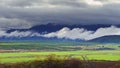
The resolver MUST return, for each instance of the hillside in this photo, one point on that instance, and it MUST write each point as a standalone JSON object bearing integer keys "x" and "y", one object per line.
{"x": 107, "y": 39}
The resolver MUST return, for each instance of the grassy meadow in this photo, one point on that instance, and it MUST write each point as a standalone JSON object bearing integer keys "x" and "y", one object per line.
{"x": 13, "y": 52}
{"x": 58, "y": 54}
{"x": 110, "y": 55}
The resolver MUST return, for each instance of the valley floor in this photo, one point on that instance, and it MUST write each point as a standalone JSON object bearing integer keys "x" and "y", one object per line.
{"x": 56, "y": 59}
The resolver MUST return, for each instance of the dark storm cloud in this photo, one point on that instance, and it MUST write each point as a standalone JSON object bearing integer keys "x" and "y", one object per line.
{"x": 24, "y": 13}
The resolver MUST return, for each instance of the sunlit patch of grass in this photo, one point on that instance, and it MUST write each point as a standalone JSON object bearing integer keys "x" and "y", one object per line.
{"x": 112, "y": 55}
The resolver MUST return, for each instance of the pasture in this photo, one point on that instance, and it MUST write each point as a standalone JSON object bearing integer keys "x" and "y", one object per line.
{"x": 108, "y": 55}
{"x": 13, "y": 52}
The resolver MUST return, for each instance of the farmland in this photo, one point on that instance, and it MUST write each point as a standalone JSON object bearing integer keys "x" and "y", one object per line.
{"x": 13, "y": 52}
{"x": 55, "y": 46}
{"x": 25, "y": 54}
{"x": 112, "y": 55}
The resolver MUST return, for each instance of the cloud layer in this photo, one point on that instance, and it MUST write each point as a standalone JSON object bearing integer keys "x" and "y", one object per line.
{"x": 25, "y": 14}
{"x": 80, "y": 33}
{"x": 76, "y": 33}
{"x": 18, "y": 34}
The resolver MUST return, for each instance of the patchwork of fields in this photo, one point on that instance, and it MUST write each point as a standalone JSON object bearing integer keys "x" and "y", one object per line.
{"x": 13, "y": 52}
{"x": 56, "y": 46}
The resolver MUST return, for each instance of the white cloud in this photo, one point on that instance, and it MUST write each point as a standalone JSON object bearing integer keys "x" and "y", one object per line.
{"x": 94, "y": 3}
{"x": 3, "y": 33}
{"x": 101, "y": 3}
{"x": 113, "y": 30}
{"x": 76, "y": 33}
{"x": 80, "y": 33}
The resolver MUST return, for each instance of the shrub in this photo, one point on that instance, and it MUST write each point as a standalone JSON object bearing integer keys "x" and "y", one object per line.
{"x": 117, "y": 66}
{"x": 52, "y": 61}
{"x": 74, "y": 63}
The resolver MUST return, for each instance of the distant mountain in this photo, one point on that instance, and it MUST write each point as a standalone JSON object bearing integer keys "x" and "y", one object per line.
{"x": 51, "y": 27}
{"x": 104, "y": 39}
{"x": 107, "y": 39}
{"x": 35, "y": 39}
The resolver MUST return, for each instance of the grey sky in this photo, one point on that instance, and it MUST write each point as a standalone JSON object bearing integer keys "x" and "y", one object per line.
{"x": 27, "y": 13}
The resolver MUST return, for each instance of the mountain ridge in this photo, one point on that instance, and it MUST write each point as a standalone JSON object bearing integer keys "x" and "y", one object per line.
{"x": 51, "y": 27}
{"x": 107, "y": 39}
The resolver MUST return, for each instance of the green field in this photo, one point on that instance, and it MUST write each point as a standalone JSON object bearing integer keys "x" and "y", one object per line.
{"x": 111, "y": 55}
{"x": 57, "y": 46}
{"x": 27, "y": 51}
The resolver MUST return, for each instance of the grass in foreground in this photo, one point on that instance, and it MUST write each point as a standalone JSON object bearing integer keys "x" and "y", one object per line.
{"x": 52, "y": 61}
{"x": 110, "y": 55}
